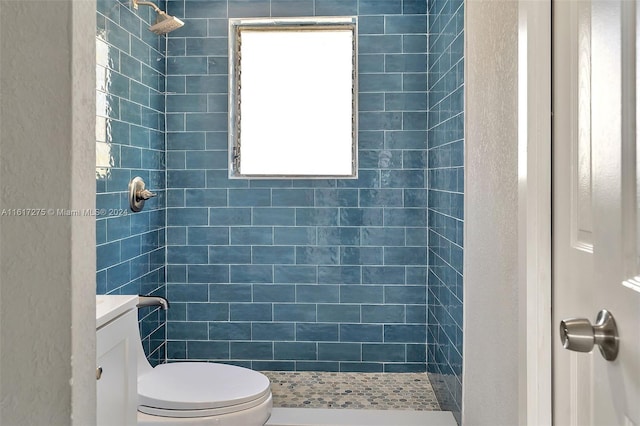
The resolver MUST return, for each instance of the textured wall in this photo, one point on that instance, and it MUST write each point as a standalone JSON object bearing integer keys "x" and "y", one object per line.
{"x": 491, "y": 301}
{"x": 299, "y": 274}
{"x": 130, "y": 72}
{"x": 446, "y": 202}
{"x": 47, "y": 309}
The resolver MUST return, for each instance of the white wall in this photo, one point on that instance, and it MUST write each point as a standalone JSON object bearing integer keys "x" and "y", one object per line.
{"x": 507, "y": 308}
{"x": 490, "y": 380}
{"x": 47, "y": 263}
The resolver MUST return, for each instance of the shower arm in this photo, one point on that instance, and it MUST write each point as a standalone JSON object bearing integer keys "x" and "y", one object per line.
{"x": 146, "y": 3}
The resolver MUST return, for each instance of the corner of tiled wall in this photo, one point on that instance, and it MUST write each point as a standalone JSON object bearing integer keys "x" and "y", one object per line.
{"x": 130, "y": 71}
{"x": 446, "y": 200}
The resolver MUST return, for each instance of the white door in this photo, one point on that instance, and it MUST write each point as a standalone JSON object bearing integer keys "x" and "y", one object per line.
{"x": 595, "y": 236}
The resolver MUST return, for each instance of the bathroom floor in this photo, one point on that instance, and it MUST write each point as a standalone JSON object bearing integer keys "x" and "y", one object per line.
{"x": 379, "y": 391}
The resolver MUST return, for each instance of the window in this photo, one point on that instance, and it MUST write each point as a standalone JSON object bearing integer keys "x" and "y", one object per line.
{"x": 293, "y": 98}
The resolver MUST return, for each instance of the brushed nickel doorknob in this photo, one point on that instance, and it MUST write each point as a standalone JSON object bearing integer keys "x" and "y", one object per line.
{"x": 577, "y": 334}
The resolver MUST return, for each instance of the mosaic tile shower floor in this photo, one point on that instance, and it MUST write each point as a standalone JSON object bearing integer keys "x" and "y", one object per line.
{"x": 376, "y": 391}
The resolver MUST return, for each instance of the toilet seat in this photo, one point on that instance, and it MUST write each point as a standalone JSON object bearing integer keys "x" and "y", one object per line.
{"x": 198, "y": 389}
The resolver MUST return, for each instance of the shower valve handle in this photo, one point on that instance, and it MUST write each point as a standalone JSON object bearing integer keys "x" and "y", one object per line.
{"x": 138, "y": 194}
{"x": 145, "y": 194}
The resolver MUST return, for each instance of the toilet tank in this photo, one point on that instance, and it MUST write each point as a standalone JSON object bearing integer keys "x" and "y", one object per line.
{"x": 116, "y": 367}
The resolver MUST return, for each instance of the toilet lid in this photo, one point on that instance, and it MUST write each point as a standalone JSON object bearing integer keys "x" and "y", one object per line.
{"x": 200, "y": 386}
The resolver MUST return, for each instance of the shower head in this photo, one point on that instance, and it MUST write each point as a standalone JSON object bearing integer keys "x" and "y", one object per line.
{"x": 165, "y": 23}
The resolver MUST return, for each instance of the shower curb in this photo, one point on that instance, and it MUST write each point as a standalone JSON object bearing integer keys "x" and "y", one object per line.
{"x": 350, "y": 417}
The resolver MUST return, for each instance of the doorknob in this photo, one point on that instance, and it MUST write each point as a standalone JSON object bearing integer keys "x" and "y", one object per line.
{"x": 577, "y": 334}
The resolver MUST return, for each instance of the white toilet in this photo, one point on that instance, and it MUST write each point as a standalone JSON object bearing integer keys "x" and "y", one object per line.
{"x": 200, "y": 393}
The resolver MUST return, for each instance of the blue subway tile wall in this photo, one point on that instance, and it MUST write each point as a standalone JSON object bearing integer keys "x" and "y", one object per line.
{"x": 299, "y": 274}
{"x": 445, "y": 199}
{"x": 130, "y": 119}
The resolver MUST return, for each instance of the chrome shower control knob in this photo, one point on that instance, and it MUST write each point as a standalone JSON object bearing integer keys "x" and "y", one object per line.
{"x": 144, "y": 194}
{"x": 577, "y": 334}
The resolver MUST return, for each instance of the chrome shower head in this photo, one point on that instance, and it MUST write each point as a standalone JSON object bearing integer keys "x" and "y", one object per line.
{"x": 165, "y": 22}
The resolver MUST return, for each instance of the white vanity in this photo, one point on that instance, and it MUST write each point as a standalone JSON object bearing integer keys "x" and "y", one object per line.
{"x": 116, "y": 361}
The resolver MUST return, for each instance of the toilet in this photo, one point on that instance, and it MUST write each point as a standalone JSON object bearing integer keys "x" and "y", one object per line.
{"x": 199, "y": 393}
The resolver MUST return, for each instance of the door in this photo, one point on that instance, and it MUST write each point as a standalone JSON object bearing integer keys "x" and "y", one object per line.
{"x": 595, "y": 244}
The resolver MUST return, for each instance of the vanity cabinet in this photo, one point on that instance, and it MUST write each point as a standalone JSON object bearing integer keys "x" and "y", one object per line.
{"x": 116, "y": 370}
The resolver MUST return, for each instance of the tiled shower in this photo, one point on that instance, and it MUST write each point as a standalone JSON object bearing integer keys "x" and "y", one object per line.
{"x": 344, "y": 275}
